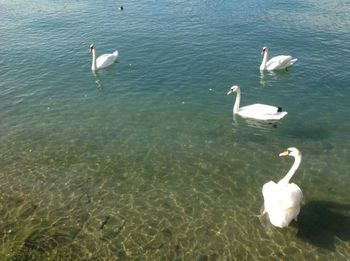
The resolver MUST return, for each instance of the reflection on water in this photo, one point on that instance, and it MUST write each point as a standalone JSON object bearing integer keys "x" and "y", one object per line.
{"x": 252, "y": 134}
{"x": 261, "y": 126}
{"x": 279, "y": 75}
{"x": 97, "y": 81}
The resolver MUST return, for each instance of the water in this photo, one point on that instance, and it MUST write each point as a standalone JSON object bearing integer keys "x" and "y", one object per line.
{"x": 143, "y": 160}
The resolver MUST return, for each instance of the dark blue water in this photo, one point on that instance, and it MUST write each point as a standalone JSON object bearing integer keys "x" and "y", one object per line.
{"x": 143, "y": 160}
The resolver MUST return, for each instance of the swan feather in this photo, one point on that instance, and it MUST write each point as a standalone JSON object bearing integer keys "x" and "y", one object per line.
{"x": 107, "y": 59}
{"x": 279, "y": 62}
{"x": 261, "y": 112}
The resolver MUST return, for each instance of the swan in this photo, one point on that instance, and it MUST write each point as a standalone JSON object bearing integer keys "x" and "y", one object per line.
{"x": 276, "y": 63}
{"x": 282, "y": 200}
{"x": 103, "y": 60}
{"x": 255, "y": 111}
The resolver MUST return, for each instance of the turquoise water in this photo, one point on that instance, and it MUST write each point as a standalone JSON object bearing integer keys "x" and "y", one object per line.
{"x": 143, "y": 160}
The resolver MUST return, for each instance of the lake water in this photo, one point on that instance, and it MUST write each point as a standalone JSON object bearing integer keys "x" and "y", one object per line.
{"x": 143, "y": 160}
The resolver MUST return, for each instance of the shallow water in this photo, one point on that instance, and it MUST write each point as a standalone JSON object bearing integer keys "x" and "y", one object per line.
{"x": 143, "y": 160}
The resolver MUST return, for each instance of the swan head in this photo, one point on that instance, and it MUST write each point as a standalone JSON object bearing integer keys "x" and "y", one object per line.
{"x": 234, "y": 88}
{"x": 263, "y": 50}
{"x": 92, "y": 47}
{"x": 294, "y": 152}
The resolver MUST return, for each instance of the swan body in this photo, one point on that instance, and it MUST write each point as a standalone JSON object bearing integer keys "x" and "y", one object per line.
{"x": 282, "y": 199}
{"x": 255, "y": 111}
{"x": 102, "y": 61}
{"x": 276, "y": 63}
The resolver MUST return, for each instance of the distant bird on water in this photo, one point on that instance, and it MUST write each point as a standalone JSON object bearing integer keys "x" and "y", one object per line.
{"x": 103, "y": 60}
{"x": 121, "y": 8}
{"x": 255, "y": 111}
{"x": 275, "y": 63}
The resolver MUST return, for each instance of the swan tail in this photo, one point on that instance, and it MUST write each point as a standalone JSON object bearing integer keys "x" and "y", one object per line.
{"x": 116, "y": 54}
{"x": 282, "y": 114}
{"x": 291, "y": 62}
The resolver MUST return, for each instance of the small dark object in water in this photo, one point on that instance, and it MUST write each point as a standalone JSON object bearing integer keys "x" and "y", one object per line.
{"x": 274, "y": 125}
{"x": 121, "y": 8}
{"x": 279, "y": 109}
{"x": 104, "y": 222}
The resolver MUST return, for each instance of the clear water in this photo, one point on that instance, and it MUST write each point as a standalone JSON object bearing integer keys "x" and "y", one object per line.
{"x": 143, "y": 160}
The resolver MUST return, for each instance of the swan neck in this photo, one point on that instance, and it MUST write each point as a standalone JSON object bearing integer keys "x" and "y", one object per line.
{"x": 93, "y": 65}
{"x": 264, "y": 61}
{"x": 237, "y": 102}
{"x": 292, "y": 170}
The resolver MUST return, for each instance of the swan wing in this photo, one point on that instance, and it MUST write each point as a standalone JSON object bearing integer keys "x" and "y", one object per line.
{"x": 262, "y": 112}
{"x": 288, "y": 205}
{"x": 282, "y": 197}
{"x": 280, "y": 62}
{"x": 282, "y": 202}
{"x": 261, "y": 108}
{"x": 106, "y": 59}
{"x": 283, "y": 218}
{"x": 271, "y": 194}
{"x": 269, "y": 191}
{"x": 292, "y": 196}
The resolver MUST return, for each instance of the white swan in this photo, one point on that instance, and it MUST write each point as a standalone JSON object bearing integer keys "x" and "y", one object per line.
{"x": 276, "y": 63}
{"x": 255, "y": 111}
{"x": 102, "y": 61}
{"x": 282, "y": 200}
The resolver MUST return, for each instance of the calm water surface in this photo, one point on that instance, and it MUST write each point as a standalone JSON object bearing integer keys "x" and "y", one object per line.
{"x": 143, "y": 160}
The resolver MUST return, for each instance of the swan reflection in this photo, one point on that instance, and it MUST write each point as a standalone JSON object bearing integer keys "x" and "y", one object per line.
{"x": 265, "y": 76}
{"x": 259, "y": 126}
{"x": 97, "y": 81}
